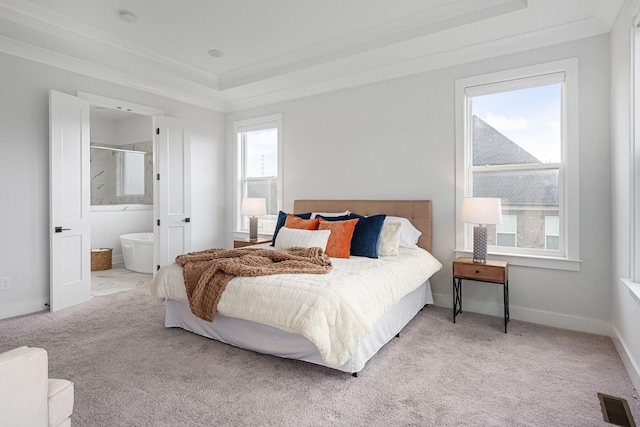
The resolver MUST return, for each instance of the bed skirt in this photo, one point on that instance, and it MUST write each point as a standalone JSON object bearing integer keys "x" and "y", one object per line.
{"x": 269, "y": 340}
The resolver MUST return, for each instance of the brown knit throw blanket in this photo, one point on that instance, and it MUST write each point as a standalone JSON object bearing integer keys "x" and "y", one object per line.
{"x": 207, "y": 273}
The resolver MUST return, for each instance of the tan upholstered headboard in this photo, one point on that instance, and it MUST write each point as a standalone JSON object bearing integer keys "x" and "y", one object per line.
{"x": 417, "y": 211}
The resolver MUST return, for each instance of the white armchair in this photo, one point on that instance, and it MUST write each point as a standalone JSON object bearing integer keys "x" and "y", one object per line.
{"x": 27, "y": 396}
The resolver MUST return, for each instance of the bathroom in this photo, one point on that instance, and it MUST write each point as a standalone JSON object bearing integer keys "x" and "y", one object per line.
{"x": 121, "y": 159}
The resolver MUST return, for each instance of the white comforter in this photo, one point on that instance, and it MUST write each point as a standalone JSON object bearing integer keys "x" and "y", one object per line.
{"x": 334, "y": 311}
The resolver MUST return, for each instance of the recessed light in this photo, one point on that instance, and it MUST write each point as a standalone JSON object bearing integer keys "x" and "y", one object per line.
{"x": 216, "y": 53}
{"x": 127, "y": 16}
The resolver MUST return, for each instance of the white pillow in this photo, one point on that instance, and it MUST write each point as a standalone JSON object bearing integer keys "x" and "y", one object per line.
{"x": 294, "y": 238}
{"x": 409, "y": 235}
{"x": 329, "y": 214}
{"x": 389, "y": 242}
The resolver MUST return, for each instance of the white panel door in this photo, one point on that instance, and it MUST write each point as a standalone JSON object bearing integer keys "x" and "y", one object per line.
{"x": 173, "y": 185}
{"x": 69, "y": 192}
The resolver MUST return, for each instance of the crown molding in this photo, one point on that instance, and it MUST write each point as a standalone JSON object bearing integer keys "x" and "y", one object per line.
{"x": 187, "y": 92}
{"x": 443, "y": 18}
{"x": 425, "y": 63}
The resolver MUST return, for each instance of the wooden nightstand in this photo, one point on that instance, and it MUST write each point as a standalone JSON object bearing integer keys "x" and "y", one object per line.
{"x": 492, "y": 271}
{"x": 240, "y": 243}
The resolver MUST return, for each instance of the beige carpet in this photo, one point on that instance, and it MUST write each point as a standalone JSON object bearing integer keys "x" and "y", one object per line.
{"x": 129, "y": 370}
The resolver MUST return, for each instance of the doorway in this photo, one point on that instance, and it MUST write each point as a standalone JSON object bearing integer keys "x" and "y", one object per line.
{"x": 122, "y": 202}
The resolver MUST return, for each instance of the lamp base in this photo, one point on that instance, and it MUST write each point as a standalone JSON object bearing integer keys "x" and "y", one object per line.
{"x": 253, "y": 228}
{"x": 479, "y": 244}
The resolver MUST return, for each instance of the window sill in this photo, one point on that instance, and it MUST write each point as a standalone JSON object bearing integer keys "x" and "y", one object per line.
{"x": 634, "y": 288}
{"x": 531, "y": 261}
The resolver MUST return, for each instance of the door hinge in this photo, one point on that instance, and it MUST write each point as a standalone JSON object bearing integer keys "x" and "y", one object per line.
{"x": 157, "y": 131}
{"x": 158, "y": 177}
{"x": 158, "y": 222}
{"x": 157, "y": 267}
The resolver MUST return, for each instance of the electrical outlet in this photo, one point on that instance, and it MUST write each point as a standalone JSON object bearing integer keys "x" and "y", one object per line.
{"x": 5, "y": 283}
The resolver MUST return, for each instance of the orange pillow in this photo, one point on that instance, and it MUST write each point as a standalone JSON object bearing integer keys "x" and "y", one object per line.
{"x": 339, "y": 244}
{"x": 293, "y": 221}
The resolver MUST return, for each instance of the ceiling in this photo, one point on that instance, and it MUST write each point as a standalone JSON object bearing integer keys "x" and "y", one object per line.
{"x": 282, "y": 49}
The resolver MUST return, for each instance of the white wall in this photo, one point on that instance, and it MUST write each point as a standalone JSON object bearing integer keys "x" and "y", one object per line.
{"x": 134, "y": 129}
{"x": 395, "y": 140}
{"x": 128, "y": 130}
{"x": 625, "y": 308}
{"x": 108, "y": 225}
{"x": 24, "y": 172}
{"x": 103, "y": 130}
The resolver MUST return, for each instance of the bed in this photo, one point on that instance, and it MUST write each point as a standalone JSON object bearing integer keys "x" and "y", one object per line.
{"x": 352, "y": 336}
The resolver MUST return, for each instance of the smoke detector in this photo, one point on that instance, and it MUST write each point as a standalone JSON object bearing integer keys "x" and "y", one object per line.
{"x": 216, "y": 53}
{"x": 127, "y": 16}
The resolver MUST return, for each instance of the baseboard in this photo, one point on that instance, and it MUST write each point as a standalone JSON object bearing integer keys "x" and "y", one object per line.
{"x": 557, "y": 320}
{"x": 627, "y": 359}
{"x": 22, "y": 308}
{"x": 117, "y": 259}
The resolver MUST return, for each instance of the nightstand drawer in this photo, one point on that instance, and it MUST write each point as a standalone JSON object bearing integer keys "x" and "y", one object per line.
{"x": 476, "y": 271}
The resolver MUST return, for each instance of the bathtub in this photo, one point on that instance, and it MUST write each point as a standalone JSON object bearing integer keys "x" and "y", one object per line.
{"x": 137, "y": 249}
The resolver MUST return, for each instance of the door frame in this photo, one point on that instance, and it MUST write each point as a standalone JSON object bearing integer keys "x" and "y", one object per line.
{"x": 130, "y": 107}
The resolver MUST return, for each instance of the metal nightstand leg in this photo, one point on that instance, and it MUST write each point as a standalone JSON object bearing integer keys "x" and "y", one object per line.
{"x": 457, "y": 298}
{"x": 506, "y": 305}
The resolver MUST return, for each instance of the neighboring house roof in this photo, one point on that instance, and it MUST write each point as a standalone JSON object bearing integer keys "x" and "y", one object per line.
{"x": 490, "y": 147}
{"x": 523, "y": 188}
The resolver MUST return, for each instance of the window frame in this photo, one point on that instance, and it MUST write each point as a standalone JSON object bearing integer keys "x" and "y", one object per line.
{"x": 518, "y": 78}
{"x": 634, "y": 195}
{"x": 248, "y": 125}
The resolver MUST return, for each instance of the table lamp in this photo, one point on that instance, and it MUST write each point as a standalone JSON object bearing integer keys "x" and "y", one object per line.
{"x": 481, "y": 211}
{"x": 253, "y": 207}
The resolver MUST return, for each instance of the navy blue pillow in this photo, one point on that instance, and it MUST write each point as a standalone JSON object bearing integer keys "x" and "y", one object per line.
{"x": 282, "y": 217}
{"x": 366, "y": 235}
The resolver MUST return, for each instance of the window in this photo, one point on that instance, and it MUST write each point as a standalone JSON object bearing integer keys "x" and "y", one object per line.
{"x": 552, "y": 232}
{"x": 259, "y": 168}
{"x": 516, "y": 139}
{"x": 131, "y": 173}
{"x": 506, "y": 232}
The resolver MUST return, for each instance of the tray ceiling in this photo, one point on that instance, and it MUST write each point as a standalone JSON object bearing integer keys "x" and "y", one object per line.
{"x": 282, "y": 49}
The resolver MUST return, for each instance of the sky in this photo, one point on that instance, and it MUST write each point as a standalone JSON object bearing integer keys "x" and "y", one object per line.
{"x": 263, "y": 153}
{"x": 529, "y": 117}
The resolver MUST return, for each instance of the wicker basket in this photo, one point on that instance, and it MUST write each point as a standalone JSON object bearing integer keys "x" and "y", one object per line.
{"x": 101, "y": 259}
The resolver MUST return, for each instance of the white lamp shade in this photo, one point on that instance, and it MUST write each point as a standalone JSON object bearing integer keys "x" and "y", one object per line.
{"x": 481, "y": 210}
{"x": 253, "y": 206}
